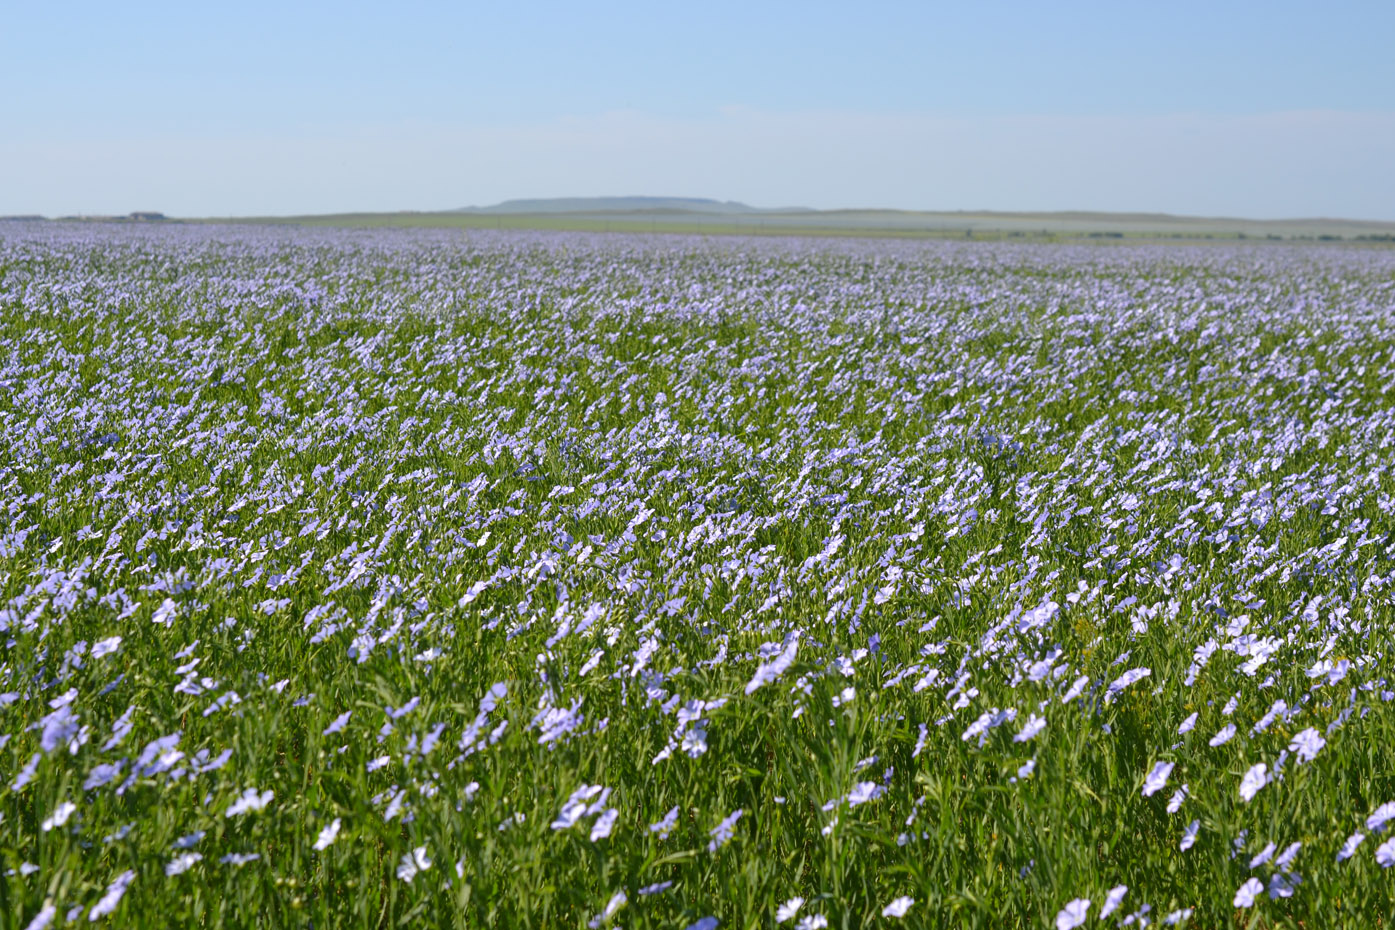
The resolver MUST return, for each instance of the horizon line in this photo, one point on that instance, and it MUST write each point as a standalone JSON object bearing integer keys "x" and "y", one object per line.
{"x": 756, "y": 212}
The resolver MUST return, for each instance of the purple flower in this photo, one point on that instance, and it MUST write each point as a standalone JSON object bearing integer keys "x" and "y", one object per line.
{"x": 1223, "y": 735}
{"x": 604, "y": 824}
{"x": 1112, "y": 900}
{"x": 26, "y": 774}
{"x": 863, "y": 792}
{"x": 1306, "y": 744}
{"x": 115, "y": 891}
{"x": 770, "y": 671}
{"x": 43, "y": 918}
{"x": 665, "y": 826}
{"x": 1189, "y": 835}
{"x": 1132, "y": 676}
{"x": 338, "y": 723}
{"x": 1349, "y": 847}
{"x": 723, "y": 832}
{"x": 1157, "y": 779}
{"x": 1031, "y": 728}
{"x": 1380, "y": 817}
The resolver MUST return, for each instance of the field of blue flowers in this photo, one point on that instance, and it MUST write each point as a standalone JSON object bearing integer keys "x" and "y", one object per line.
{"x": 445, "y": 579}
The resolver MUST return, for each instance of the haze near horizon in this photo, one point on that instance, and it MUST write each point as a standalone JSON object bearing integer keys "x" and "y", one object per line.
{"x": 1256, "y": 110}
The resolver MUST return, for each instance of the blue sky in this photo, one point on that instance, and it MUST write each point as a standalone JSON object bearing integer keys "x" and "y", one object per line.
{"x": 1249, "y": 109}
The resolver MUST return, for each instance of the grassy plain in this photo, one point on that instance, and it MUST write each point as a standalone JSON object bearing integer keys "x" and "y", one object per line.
{"x": 873, "y": 223}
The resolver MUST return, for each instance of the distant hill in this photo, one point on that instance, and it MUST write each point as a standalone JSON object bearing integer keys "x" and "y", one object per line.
{"x": 558, "y": 205}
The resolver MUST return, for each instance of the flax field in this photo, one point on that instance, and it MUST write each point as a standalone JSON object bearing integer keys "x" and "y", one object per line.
{"x": 442, "y": 578}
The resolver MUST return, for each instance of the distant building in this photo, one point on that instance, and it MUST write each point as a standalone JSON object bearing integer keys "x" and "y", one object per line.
{"x": 148, "y": 216}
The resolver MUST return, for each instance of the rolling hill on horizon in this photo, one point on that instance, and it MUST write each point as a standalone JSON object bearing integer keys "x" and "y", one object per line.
{"x": 709, "y": 216}
{"x": 644, "y": 204}
{"x": 626, "y": 204}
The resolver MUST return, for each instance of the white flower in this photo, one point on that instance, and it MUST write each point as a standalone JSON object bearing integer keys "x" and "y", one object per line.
{"x": 812, "y": 922}
{"x": 788, "y": 909}
{"x": 182, "y": 863}
{"x": 1073, "y": 914}
{"x": 1256, "y": 778}
{"x": 60, "y": 816}
{"x": 1307, "y": 744}
{"x": 239, "y": 859}
{"x": 412, "y": 863}
{"x": 105, "y": 647}
{"x": 898, "y": 908}
{"x": 694, "y": 742}
{"x": 616, "y": 902}
{"x": 1245, "y": 895}
{"x": 328, "y": 835}
{"x": 251, "y": 800}
{"x": 863, "y": 792}
{"x": 164, "y": 614}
